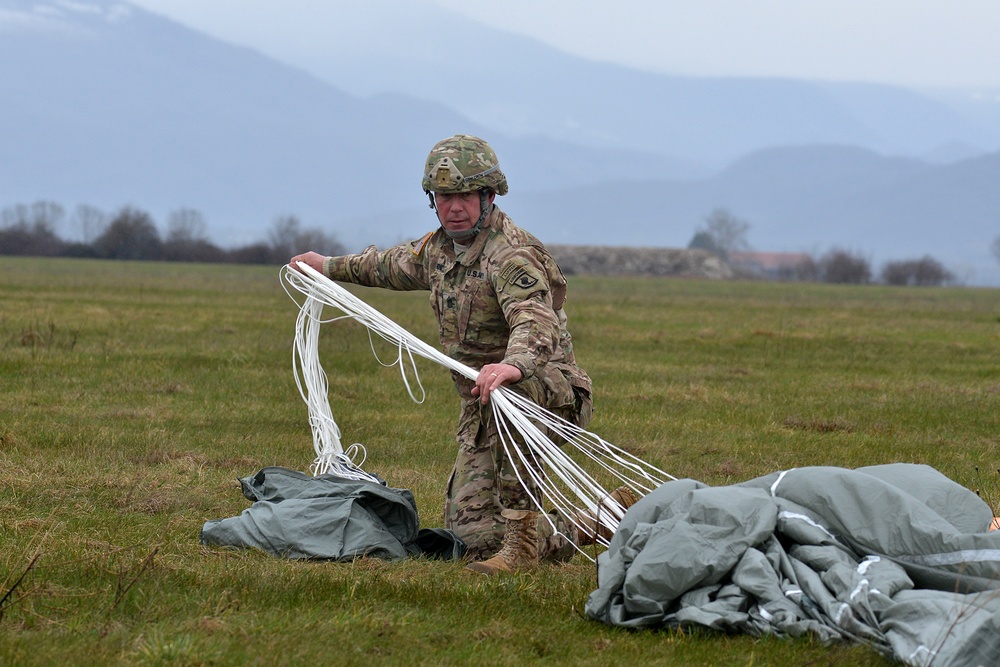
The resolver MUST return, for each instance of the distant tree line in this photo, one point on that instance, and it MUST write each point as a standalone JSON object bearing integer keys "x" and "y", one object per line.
{"x": 726, "y": 235}
{"x": 131, "y": 233}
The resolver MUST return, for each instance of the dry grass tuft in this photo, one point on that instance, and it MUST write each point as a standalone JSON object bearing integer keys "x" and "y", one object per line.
{"x": 819, "y": 425}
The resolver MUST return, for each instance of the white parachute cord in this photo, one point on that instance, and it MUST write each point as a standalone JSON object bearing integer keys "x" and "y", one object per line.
{"x": 311, "y": 381}
{"x": 315, "y": 284}
{"x": 614, "y": 460}
{"x": 562, "y": 481}
{"x": 589, "y": 505}
{"x": 402, "y": 368}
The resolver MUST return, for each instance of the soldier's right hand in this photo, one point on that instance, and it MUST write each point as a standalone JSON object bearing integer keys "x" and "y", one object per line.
{"x": 313, "y": 259}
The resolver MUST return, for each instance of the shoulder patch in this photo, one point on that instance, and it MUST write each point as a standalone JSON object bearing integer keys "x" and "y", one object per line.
{"x": 518, "y": 275}
{"x": 417, "y": 246}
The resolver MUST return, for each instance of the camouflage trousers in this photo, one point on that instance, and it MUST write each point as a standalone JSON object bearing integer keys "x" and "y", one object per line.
{"x": 484, "y": 480}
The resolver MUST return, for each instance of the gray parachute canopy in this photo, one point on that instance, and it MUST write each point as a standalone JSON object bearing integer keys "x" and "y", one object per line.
{"x": 897, "y": 556}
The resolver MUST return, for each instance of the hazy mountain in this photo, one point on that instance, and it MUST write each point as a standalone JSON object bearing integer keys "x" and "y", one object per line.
{"x": 522, "y": 87}
{"x": 105, "y": 104}
{"x": 706, "y": 121}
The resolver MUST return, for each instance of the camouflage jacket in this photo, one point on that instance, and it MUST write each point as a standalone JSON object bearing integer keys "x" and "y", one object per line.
{"x": 499, "y": 301}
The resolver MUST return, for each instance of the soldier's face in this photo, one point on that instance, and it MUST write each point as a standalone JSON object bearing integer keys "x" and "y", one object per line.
{"x": 458, "y": 212}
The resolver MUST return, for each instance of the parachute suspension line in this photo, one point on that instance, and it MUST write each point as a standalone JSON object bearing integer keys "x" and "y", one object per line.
{"x": 524, "y": 427}
{"x": 311, "y": 381}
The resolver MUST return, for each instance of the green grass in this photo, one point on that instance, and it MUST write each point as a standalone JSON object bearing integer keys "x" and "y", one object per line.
{"x": 133, "y": 395}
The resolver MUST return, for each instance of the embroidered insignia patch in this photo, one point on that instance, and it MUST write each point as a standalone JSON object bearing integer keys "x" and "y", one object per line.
{"x": 518, "y": 276}
{"x": 475, "y": 273}
{"x": 418, "y": 245}
{"x": 524, "y": 281}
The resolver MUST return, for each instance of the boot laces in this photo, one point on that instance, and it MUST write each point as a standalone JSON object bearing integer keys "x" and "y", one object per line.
{"x": 511, "y": 546}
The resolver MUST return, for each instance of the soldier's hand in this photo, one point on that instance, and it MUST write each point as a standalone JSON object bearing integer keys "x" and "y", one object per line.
{"x": 313, "y": 259}
{"x": 493, "y": 376}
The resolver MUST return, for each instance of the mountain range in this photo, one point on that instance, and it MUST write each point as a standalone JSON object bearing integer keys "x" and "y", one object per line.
{"x": 106, "y": 104}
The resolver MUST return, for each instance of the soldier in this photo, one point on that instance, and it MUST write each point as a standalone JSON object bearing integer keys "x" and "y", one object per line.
{"x": 498, "y": 297}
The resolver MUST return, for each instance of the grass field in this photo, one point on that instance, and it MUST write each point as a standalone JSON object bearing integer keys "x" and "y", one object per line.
{"x": 133, "y": 395}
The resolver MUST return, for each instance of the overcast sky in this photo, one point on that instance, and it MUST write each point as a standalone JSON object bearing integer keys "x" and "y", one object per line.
{"x": 908, "y": 42}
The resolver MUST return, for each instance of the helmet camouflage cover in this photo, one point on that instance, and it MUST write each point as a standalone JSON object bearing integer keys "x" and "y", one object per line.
{"x": 463, "y": 163}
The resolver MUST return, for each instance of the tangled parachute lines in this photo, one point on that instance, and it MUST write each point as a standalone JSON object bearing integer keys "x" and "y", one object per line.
{"x": 311, "y": 380}
{"x": 567, "y": 476}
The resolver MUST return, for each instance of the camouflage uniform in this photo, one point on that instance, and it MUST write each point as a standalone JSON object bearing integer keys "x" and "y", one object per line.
{"x": 501, "y": 301}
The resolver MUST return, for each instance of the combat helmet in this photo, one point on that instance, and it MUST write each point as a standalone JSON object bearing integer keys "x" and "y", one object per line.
{"x": 463, "y": 163}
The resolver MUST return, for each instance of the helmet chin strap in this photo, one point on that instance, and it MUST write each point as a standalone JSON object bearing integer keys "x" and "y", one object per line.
{"x": 484, "y": 210}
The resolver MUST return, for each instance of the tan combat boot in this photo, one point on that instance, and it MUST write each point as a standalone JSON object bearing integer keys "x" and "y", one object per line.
{"x": 590, "y": 528}
{"x": 519, "y": 549}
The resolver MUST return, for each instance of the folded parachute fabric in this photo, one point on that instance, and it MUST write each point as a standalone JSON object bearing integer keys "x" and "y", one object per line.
{"x": 896, "y": 556}
{"x": 295, "y": 515}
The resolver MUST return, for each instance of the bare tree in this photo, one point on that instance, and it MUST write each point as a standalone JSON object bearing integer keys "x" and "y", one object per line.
{"x": 923, "y": 272}
{"x": 282, "y": 236}
{"x": 722, "y": 233}
{"x": 16, "y": 216}
{"x": 131, "y": 235}
{"x": 896, "y": 273}
{"x": 91, "y": 220}
{"x": 804, "y": 270}
{"x": 186, "y": 225}
{"x": 187, "y": 239}
{"x": 842, "y": 266}
{"x": 47, "y": 216}
{"x": 287, "y": 238}
{"x": 31, "y": 230}
{"x": 42, "y": 217}
{"x": 320, "y": 241}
